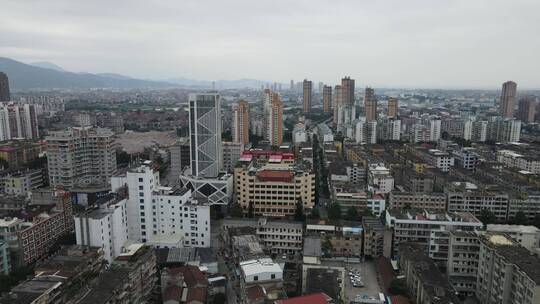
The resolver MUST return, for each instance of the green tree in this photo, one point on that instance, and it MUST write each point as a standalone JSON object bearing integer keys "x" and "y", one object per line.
{"x": 326, "y": 246}
{"x": 398, "y": 287}
{"x": 314, "y": 214}
{"x": 251, "y": 210}
{"x": 536, "y": 220}
{"x": 219, "y": 299}
{"x": 122, "y": 158}
{"x": 299, "y": 212}
{"x": 520, "y": 218}
{"x": 236, "y": 211}
{"x": 38, "y": 163}
{"x": 487, "y": 217}
{"x": 16, "y": 276}
{"x": 226, "y": 136}
{"x": 352, "y": 214}
{"x": 334, "y": 212}
{"x": 4, "y": 164}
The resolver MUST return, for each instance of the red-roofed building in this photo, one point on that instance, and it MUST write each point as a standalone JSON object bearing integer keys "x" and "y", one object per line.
{"x": 399, "y": 300}
{"x": 275, "y": 176}
{"x": 171, "y": 295}
{"x": 256, "y": 294}
{"x": 191, "y": 281}
{"x": 273, "y": 183}
{"x": 317, "y": 298}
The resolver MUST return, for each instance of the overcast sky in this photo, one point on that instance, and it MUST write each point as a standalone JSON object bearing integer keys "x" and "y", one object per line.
{"x": 402, "y": 43}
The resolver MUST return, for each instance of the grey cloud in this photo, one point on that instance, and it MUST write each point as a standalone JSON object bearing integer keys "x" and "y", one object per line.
{"x": 413, "y": 43}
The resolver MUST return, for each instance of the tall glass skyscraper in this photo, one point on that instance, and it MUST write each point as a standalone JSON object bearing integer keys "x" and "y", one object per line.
{"x": 205, "y": 134}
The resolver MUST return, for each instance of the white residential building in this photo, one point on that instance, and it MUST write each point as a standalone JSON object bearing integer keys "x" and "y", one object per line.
{"x": 389, "y": 129}
{"x": 479, "y": 131}
{"x": 299, "y": 134}
{"x": 325, "y": 134}
{"x": 105, "y": 226}
{"x": 467, "y": 129}
{"x": 359, "y": 135}
{"x": 512, "y": 159}
{"x": 379, "y": 179}
{"x": 377, "y": 205}
{"x": 260, "y": 271}
{"x": 371, "y": 132}
{"x": 164, "y": 216}
{"x": 440, "y": 159}
{"x": 429, "y": 229}
{"x": 18, "y": 121}
{"x": 434, "y": 129}
{"x": 419, "y": 133}
{"x": 466, "y": 158}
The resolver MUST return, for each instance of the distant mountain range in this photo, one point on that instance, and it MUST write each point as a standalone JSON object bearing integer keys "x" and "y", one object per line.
{"x": 47, "y": 75}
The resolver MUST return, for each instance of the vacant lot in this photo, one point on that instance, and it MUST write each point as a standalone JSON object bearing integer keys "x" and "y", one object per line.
{"x": 135, "y": 142}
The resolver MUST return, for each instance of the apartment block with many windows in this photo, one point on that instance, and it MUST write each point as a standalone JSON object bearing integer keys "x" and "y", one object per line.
{"x": 272, "y": 184}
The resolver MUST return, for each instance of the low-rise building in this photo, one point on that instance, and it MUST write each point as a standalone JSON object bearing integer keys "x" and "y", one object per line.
{"x": 299, "y": 134}
{"x": 379, "y": 179}
{"x": 260, "y": 273}
{"x": 462, "y": 267}
{"x": 429, "y": 201}
{"x": 530, "y": 163}
{"x": 324, "y": 132}
{"x": 30, "y": 241}
{"x": 278, "y": 236}
{"x": 429, "y": 229}
{"x": 426, "y": 284}
{"x": 62, "y": 278}
{"x": 377, "y": 239}
{"x": 474, "y": 201}
{"x": 345, "y": 240}
{"x": 466, "y": 158}
{"x": 23, "y": 182}
{"x": 9, "y": 204}
{"x": 526, "y": 236}
{"x": 186, "y": 284}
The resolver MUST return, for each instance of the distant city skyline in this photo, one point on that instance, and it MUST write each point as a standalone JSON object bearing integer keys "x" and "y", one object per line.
{"x": 393, "y": 44}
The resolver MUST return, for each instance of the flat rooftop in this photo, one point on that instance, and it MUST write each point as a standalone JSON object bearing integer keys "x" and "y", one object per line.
{"x": 512, "y": 228}
{"x": 312, "y": 246}
{"x": 515, "y": 254}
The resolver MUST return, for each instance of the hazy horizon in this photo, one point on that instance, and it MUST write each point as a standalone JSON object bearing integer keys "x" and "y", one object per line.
{"x": 391, "y": 44}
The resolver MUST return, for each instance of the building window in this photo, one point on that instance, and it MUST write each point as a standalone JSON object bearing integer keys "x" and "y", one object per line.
{"x": 140, "y": 179}
{"x": 255, "y": 278}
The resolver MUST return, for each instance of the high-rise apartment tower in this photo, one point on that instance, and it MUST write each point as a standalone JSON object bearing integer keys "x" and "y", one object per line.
{"x": 308, "y": 87}
{"x": 4, "y": 87}
{"x": 370, "y": 105}
{"x": 508, "y": 99}
{"x": 327, "y": 98}
{"x": 241, "y": 122}
{"x": 392, "y": 107}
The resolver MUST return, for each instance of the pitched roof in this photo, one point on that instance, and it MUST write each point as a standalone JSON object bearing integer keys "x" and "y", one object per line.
{"x": 172, "y": 293}
{"x": 317, "y": 298}
{"x": 196, "y": 294}
{"x": 193, "y": 276}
